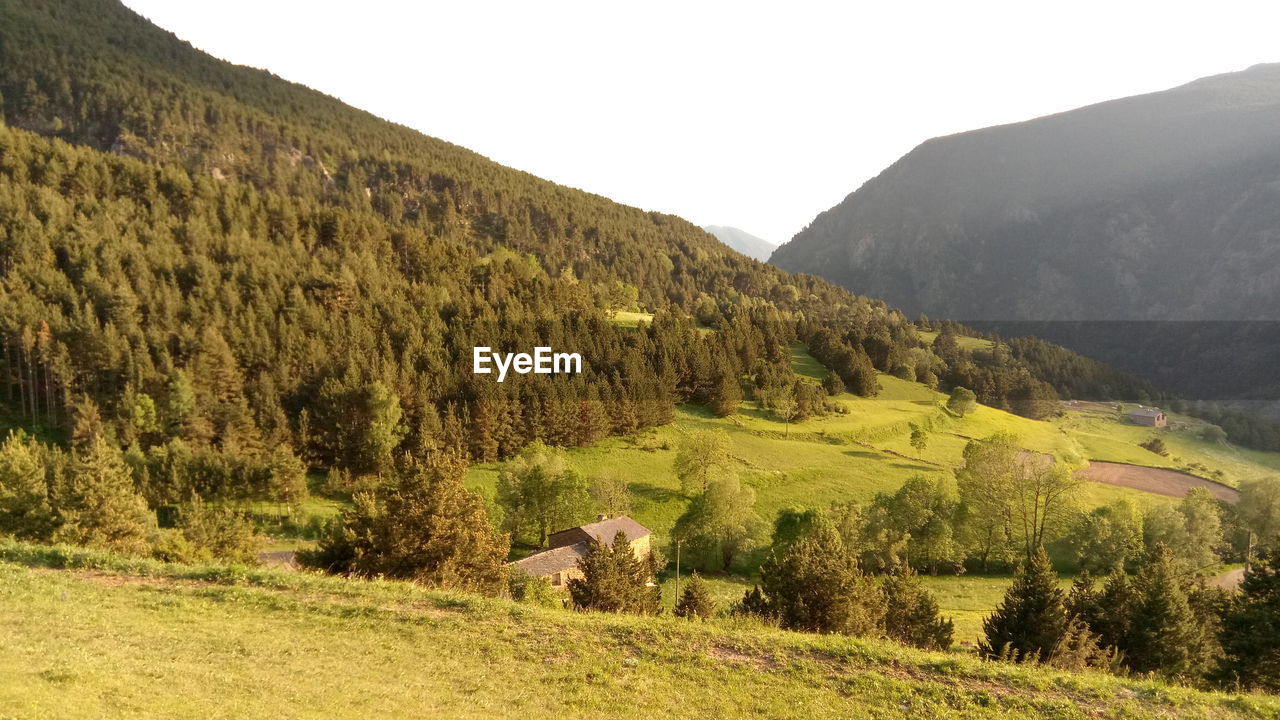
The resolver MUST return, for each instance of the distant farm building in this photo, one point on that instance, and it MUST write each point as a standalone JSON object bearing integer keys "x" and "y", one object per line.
{"x": 1151, "y": 417}
{"x": 559, "y": 564}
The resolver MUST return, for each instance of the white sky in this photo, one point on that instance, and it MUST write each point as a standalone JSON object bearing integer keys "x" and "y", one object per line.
{"x": 755, "y": 115}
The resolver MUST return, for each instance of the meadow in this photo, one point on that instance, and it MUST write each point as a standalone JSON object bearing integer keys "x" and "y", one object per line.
{"x": 102, "y": 636}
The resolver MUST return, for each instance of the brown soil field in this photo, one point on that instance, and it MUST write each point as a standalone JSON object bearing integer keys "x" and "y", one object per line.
{"x": 1161, "y": 481}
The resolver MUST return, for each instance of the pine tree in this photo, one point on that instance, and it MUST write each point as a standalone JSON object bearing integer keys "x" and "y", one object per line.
{"x": 1165, "y": 636}
{"x": 614, "y": 580}
{"x": 814, "y": 585}
{"x": 425, "y": 527}
{"x": 695, "y": 600}
{"x": 726, "y": 395}
{"x": 832, "y": 383}
{"x": 25, "y": 511}
{"x": 1031, "y": 620}
{"x": 1251, "y": 630}
{"x": 100, "y": 506}
{"x": 911, "y": 613}
{"x": 755, "y": 604}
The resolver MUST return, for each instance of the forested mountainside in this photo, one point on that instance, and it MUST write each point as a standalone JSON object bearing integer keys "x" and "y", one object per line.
{"x": 225, "y": 273}
{"x": 742, "y": 241}
{"x": 1163, "y": 206}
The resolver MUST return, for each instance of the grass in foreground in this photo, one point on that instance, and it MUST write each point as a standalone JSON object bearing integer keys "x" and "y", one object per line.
{"x": 117, "y": 638}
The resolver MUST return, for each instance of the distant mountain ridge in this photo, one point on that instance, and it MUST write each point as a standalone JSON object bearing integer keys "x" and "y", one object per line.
{"x": 743, "y": 241}
{"x": 1163, "y": 206}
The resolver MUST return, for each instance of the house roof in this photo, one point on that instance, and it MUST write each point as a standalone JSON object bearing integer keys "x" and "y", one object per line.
{"x": 604, "y": 530}
{"x": 1146, "y": 412}
{"x": 554, "y": 560}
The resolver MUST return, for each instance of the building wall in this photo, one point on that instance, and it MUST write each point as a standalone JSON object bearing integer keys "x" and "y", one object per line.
{"x": 641, "y": 547}
{"x": 560, "y": 580}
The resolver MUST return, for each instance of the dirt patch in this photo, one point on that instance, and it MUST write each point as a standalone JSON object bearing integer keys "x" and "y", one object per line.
{"x": 727, "y": 654}
{"x": 281, "y": 560}
{"x": 1160, "y": 481}
{"x": 1229, "y": 580}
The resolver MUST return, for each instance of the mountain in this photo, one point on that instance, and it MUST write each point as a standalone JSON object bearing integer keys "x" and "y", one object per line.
{"x": 743, "y": 241}
{"x": 204, "y": 259}
{"x": 1163, "y": 206}
{"x": 1144, "y": 232}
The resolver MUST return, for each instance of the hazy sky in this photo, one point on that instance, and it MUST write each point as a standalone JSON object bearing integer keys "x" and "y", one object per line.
{"x": 756, "y": 115}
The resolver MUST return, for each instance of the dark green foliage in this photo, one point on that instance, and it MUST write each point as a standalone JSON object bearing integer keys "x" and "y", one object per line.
{"x": 814, "y": 584}
{"x": 1031, "y": 620}
{"x": 1037, "y": 400}
{"x": 832, "y": 384}
{"x": 423, "y": 526}
{"x": 911, "y": 613}
{"x": 614, "y": 580}
{"x": 755, "y": 604}
{"x": 791, "y": 524}
{"x": 99, "y": 506}
{"x": 726, "y": 395}
{"x": 26, "y": 509}
{"x": 1165, "y": 634}
{"x": 1251, "y": 630}
{"x": 1155, "y": 445}
{"x": 695, "y": 601}
{"x": 205, "y": 533}
{"x": 1079, "y": 648}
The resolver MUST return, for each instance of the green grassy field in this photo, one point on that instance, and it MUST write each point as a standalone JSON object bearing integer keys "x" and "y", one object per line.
{"x": 105, "y": 637}
{"x": 866, "y": 451}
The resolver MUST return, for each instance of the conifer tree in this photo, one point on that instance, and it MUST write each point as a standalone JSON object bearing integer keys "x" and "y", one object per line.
{"x": 430, "y": 529}
{"x": 832, "y": 383}
{"x": 1251, "y": 630}
{"x": 1165, "y": 636}
{"x": 100, "y": 506}
{"x": 1031, "y": 620}
{"x": 911, "y": 613}
{"x": 755, "y": 603}
{"x": 814, "y": 585}
{"x": 695, "y": 601}
{"x": 726, "y": 395}
{"x": 614, "y": 580}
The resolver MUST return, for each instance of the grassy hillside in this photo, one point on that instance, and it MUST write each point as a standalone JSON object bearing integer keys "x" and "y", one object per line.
{"x": 856, "y": 455}
{"x": 118, "y": 638}
{"x": 867, "y": 451}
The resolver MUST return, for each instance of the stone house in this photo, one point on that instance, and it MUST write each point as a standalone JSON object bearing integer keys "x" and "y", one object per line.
{"x": 559, "y": 563}
{"x": 1151, "y": 417}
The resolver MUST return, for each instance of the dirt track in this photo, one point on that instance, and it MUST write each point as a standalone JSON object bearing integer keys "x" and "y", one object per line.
{"x": 1155, "y": 480}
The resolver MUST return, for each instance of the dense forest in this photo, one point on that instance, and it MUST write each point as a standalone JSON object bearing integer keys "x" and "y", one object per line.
{"x": 216, "y": 269}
